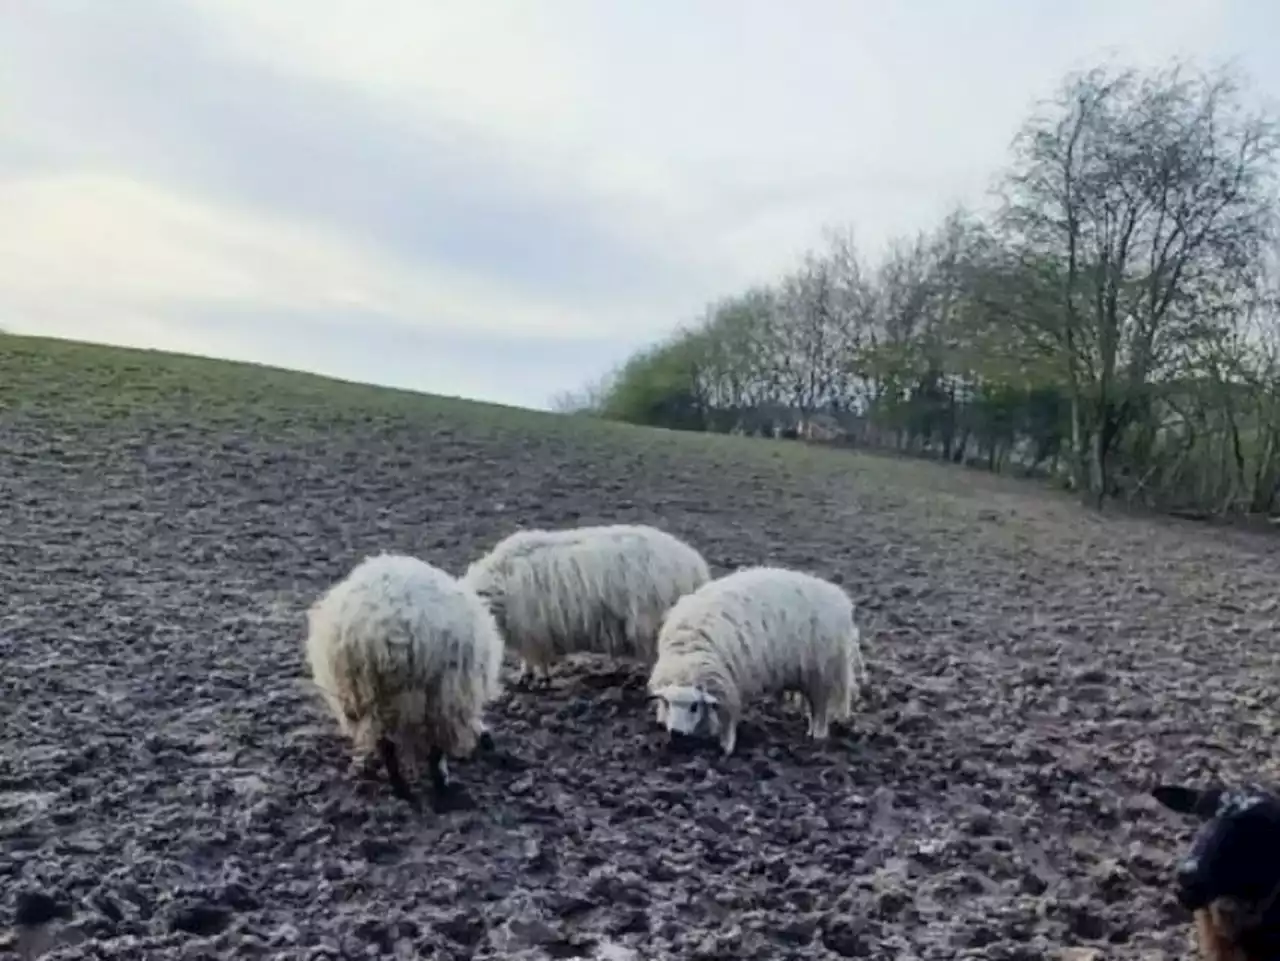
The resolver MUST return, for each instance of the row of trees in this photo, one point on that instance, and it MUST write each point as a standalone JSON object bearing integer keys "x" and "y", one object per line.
{"x": 1113, "y": 322}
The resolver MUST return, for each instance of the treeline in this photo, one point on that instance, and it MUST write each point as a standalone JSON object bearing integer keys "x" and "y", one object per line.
{"x": 1112, "y": 323}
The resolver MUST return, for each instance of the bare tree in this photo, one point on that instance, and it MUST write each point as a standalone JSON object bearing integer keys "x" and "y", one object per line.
{"x": 1149, "y": 196}
{"x": 586, "y": 400}
{"x": 738, "y": 370}
{"x": 852, "y": 321}
{"x": 810, "y": 337}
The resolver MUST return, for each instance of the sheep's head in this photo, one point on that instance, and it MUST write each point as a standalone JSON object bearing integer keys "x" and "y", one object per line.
{"x": 690, "y": 710}
{"x": 481, "y": 580}
{"x": 1230, "y": 878}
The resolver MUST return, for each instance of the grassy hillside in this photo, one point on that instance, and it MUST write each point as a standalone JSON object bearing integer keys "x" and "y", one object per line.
{"x": 79, "y": 382}
{"x": 39, "y": 374}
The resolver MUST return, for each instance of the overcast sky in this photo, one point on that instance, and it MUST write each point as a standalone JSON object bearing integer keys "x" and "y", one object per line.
{"x": 501, "y": 198}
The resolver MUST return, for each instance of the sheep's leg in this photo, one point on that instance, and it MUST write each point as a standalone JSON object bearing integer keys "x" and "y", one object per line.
{"x": 661, "y": 710}
{"x": 445, "y": 794}
{"x": 819, "y": 718}
{"x": 487, "y": 748}
{"x": 818, "y": 711}
{"x": 440, "y": 780}
{"x": 544, "y": 676}
{"x": 484, "y": 737}
{"x": 365, "y": 762}
{"x": 844, "y": 710}
{"x": 391, "y": 761}
{"x": 525, "y": 677}
{"x": 729, "y": 737}
{"x": 840, "y": 701}
{"x": 533, "y": 676}
{"x": 858, "y": 665}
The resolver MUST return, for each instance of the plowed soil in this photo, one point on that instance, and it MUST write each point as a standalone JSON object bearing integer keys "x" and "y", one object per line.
{"x": 168, "y": 779}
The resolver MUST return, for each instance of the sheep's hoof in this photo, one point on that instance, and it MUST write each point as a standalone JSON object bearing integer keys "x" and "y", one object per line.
{"x": 729, "y": 743}
{"x": 401, "y": 790}
{"x": 508, "y": 762}
{"x": 528, "y": 680}
{"x": 502, "y": 760}
{"x": 486, "y": 742}
{"x": 451, "y": 798}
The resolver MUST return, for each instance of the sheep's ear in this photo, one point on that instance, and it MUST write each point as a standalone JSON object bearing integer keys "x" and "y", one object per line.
{"x": 711, "y": 699}
{"x": 662, "y": 693}
{"x": 1188, "y": 800}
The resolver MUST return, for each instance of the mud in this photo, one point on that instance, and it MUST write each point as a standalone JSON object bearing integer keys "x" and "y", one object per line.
{"x": 170, "y": 787}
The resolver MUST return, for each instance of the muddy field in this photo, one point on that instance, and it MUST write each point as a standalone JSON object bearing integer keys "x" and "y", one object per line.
{"x": 167, "y": 778}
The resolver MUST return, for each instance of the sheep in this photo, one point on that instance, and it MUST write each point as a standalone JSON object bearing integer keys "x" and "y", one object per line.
{"x": 601, "y": 590}
{"x": 1230, "y": 877}
{"x": 759, "y": 630}
{"x": 406, "y": 658}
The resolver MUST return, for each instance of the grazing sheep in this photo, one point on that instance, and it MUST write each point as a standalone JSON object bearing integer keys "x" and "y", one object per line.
{"x": 406, "y": 659}
{"x": 601, "y": 590}
{"x": 1230, "y": 878}
{"x": 761, "y": 630}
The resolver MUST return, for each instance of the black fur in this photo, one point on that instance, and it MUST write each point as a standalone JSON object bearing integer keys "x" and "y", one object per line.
{"x": 1236, "y": 853}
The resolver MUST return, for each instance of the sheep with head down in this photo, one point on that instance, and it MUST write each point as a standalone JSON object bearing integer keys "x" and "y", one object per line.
{"x": 407, "y": 659}
{"x": 1230, "y": 876}
{"x": 758, "y": 631}
{"x": 590, "y": 590}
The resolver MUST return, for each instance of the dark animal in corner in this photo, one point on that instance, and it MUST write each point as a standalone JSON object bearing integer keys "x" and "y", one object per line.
{"x": 1230, "y": 877}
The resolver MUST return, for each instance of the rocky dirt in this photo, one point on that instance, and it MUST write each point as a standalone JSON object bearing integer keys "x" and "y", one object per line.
{"x": 170, "y": 784}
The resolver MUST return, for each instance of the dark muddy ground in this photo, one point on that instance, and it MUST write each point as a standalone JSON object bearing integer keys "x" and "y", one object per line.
{"x": 168, "y": 779}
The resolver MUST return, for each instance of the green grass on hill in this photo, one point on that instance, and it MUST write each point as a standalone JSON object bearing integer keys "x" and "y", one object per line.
{"x": 43, "y": 375}
{"x": 71, "y": 382}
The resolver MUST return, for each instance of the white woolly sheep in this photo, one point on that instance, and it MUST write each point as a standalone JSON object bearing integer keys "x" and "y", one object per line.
{"x": 407, "y": 659}
{"x": 758, "y": 631}
{"x": 601, "y": 590}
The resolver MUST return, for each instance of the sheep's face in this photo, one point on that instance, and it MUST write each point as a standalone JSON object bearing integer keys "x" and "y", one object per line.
{"x": 691, "y": 711}
{"x": 1232, "y": 870}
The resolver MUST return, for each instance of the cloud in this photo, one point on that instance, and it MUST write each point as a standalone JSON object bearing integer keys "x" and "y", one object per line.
{"x": 305, "y": 180}
{"x": 734, "y": 126}
{"x": 203, "y": 116}
{"x": 140, "y": 245}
